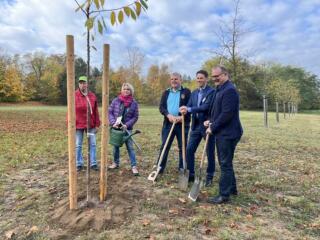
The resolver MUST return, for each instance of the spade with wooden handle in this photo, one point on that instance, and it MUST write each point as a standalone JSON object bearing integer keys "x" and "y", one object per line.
{"x": 183, "y": 173}
{"x": 156, "y": 169}
{"x": 198, "y": 183}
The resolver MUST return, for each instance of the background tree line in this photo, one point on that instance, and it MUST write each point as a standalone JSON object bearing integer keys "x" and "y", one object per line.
{"x": 39, "y": 77}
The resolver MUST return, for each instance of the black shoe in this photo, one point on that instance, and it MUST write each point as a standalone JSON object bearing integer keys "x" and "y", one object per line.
{"x": 79, "y": 168}
{"x": 235, "y": 192}
{"x": 94, "y": 167}
{"x": 208, "y": 183}
{"x": 191, "y": 179}
{"x": 218, "y": 200}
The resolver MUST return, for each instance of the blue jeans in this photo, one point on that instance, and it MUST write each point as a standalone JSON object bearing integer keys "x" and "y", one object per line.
{"x": 92, "y": 141}
{"x": 225, "y": 149}
{"x": 131, "y": 153}
{"x": 177, "y": 132}
{"x": 196, "y": 136}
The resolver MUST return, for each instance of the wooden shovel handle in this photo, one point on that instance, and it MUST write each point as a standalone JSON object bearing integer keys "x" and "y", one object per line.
{"x": 165, "y": 145}
{"x": 204, "y": 150}
{"x": 183, "y": 144}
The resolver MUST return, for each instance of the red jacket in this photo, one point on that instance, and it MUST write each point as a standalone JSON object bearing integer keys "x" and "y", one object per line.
{"x": 81, "y": 110}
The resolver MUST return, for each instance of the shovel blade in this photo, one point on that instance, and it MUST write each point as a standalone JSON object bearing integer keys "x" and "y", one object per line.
{"x": 195, "y": 190}
{"x": 153, "y": 175}
{"x": 183, "y": 180}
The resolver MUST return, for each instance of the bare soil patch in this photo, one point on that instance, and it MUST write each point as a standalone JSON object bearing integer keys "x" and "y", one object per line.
{"x": 19, "y": 122}
{"x": 123, "y": 200}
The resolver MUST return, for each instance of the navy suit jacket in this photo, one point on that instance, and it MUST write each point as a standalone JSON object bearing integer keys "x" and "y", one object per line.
{"x": 163, "y": 108}
{"x": 200, "y": 113}
{"x": 224, "y": 112}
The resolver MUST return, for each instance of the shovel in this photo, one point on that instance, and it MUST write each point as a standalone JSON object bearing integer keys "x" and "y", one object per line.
{"x": 198, "y": 183}
{"x": 184, "y": 173}
{"x": 153, "y": 175}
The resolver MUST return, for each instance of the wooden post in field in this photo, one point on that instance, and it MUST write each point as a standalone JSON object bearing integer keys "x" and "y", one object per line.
{"x": 105, "y": 122}
{"x": 265, "y": 110}
{"x": 277, "y": 112}
{"x": 289, "y": 109}
{"x": 293, "y": 109}
{"x": 284, "y": 110}
{"x": 71, "y": 123}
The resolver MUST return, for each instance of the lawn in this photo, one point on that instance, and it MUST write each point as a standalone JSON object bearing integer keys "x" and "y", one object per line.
{"x": 277, "y": 169}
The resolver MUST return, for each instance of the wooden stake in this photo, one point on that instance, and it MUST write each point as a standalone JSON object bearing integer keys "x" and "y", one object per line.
{"x": 105, "y": 123}
{"x": 71, "y": 123}
{"x": 277, "y": 111}
{"x": 265, "y": 110}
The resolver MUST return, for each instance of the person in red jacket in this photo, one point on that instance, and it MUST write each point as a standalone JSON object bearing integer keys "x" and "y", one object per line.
{"x": 82, "y": 97}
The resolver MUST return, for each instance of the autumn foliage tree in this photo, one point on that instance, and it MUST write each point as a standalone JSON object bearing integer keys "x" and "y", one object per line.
{"x": 11, "y": 89}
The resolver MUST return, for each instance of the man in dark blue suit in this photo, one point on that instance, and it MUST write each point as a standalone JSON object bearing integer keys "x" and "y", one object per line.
{"x": 227, "y": 129}
{"x": 198, "y": 106}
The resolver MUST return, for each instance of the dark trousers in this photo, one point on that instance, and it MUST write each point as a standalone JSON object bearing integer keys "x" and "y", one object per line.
{"x": 177, "y": 132}
{"x": 195, "y": 138}
{"x": 225, "y": 150}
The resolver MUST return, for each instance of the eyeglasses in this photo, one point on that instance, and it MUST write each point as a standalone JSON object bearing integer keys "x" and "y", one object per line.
{"x": 216, "y": 76}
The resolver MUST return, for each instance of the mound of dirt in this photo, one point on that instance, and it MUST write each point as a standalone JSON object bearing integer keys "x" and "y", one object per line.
{"x": 123, "y": 199}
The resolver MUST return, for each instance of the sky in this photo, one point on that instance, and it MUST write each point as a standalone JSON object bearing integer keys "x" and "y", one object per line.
{"x": 179, "y": 33}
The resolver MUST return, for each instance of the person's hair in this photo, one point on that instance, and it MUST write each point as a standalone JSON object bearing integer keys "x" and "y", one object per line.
{"x": 223, "y": 69}
{"x": 128, "y": 85}
{"x": 204, "y": 72}
{"x": 176, "y": 74}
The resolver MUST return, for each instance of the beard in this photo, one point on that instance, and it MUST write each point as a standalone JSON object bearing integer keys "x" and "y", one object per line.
{"x": 84, "y": 91}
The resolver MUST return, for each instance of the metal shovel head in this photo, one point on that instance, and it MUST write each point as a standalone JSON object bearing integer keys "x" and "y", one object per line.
{"x": 183, "y": 179}
{"x": 195, "y": 190}
{"x": 153, "y": 175}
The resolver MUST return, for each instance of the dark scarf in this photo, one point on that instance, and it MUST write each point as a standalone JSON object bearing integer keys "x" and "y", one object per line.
{"x": 126, "y": 100}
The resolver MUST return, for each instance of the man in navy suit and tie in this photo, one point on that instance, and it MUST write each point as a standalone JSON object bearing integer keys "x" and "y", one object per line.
{"x": 227, "y": 129}
{"x": 198, "y": 106}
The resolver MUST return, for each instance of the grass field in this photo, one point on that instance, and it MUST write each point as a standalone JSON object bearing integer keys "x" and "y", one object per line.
{"x": 277, "y": 169}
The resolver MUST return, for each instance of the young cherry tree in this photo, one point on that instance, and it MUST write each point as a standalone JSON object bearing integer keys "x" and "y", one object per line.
{"x": 97, "y": 16}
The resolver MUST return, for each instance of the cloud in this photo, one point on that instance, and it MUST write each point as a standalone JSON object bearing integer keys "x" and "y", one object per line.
{"x": 179, "y": 33}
